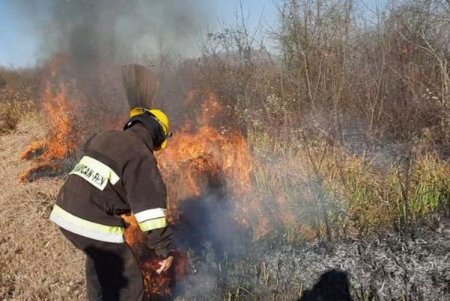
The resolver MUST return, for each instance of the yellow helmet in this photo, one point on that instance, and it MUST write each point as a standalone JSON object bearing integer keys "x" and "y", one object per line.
{"x": 160, "y": 116}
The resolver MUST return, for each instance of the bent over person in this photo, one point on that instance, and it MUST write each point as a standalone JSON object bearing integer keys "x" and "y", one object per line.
{"x": 117, "y": 175}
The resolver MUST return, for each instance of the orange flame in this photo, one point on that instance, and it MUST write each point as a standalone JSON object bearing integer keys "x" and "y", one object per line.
{"x": 195, "y": 160}
{"x": 61, "y": 139}
{"x": 155, "y": 284}
{"x": 59, "y": 110}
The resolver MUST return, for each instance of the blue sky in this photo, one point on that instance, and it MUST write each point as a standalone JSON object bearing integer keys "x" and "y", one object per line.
{"x": 20, "y": 46}
{"x": 17, "y": 47}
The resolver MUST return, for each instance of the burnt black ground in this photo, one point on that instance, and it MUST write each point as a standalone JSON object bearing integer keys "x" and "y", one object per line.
{"x": 388, "y": 267}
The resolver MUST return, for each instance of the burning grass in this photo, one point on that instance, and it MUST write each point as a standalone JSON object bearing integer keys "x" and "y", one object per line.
{"x": 206, "y": 160}
{"x": 60, "y": 112}
{"x": 284, "y": 190}
{"x": 155, "y": 284}
{"x": 227, "y": 191}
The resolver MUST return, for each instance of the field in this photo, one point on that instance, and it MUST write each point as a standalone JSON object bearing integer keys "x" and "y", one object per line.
{"x": 36, "y": 262}
{"x": 39, "y": 264}
{"x": 329, "y": 151}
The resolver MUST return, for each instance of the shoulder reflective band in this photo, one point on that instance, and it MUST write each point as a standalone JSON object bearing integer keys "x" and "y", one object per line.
{"x": 95, "y": 172}
{"x": 86, "y": 228}
{"x": 151, "y": 219}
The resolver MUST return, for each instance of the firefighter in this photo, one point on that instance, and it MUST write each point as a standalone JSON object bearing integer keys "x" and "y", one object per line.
{"x": 117, "y": 175}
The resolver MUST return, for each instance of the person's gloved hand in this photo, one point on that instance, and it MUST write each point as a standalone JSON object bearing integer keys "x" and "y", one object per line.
{"x": 165, "y": 264}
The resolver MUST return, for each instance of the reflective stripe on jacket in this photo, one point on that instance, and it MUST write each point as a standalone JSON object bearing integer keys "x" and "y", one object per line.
{"x": 151, "y": 219}
{"x": 86, "y": 228}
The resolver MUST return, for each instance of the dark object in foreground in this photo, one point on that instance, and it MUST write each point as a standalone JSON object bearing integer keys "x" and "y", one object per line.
{"x": 332, "y": 286}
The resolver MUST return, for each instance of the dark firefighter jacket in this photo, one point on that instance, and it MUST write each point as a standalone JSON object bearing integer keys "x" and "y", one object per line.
{"x": 117, "y": 175}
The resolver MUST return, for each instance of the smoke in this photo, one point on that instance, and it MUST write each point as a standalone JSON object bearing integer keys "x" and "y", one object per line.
{"x": 211, "y": 234}
{"x": 91, "y": 31}
{"x": 209, "y": 230}
{"x": 95, "y": 37}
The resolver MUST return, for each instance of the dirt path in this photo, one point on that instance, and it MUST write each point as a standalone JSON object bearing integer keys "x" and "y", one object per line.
{"x": 36, "y": 262}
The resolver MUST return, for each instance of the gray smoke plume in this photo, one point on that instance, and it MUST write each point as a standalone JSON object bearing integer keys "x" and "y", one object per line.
{"x": 114, "y": 30}
{"x": 97, "y": 36}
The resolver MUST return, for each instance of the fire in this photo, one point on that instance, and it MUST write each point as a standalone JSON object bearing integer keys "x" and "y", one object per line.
{"x": 59, "y": 109}
{"x": 199, "y": 160}
{"x": 155, "y": 284}
{"x": 68, "y": 122}
{"x": 35, "y": 149}
{"x": 195, "y": 162}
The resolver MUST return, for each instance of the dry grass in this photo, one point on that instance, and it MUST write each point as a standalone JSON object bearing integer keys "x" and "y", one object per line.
{"x": 323, "y": 189}
{"x": 37, "y": 263}
{"x": 10, "y": 114}
{"x": 296, "y": 114}
{"x": 17, "y": 96}
{"x": 314, "y": 190}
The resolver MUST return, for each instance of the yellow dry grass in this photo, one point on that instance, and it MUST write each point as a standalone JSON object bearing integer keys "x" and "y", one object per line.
{"x": 36, "y": 262}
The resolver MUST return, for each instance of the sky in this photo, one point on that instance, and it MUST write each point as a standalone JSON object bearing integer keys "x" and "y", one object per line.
{"x": 19, "y": 45}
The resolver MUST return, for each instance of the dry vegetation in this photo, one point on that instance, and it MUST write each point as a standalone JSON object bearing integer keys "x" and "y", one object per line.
{"x": 349, "y": 126}
{"x": 36, "y": 262}
{"x": 356, "y": 107}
